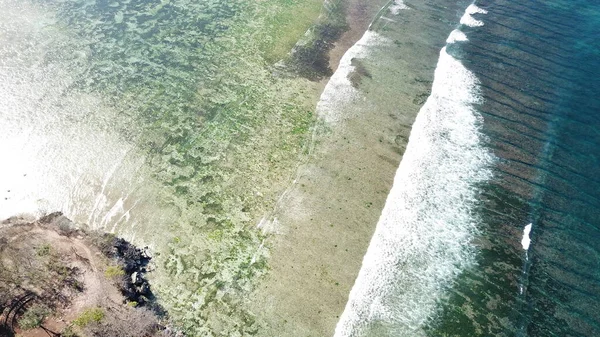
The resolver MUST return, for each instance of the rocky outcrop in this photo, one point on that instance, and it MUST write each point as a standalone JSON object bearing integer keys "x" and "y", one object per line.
{"x": 134, "y": 262}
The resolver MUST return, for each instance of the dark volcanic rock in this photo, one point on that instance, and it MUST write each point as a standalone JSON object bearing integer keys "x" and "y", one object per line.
{"x": 134, "y": 262}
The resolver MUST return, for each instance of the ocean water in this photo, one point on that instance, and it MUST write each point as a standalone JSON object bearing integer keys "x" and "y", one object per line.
{"x": 538, "y": 64}
{"x": 492, "y": 227}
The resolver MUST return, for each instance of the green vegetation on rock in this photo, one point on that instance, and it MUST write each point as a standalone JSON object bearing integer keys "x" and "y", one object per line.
{"x": 88, "y": 316}
{"x": 114, "y": 271}
{"x": 43, "y": 250}
{"x": 34, "y": 316}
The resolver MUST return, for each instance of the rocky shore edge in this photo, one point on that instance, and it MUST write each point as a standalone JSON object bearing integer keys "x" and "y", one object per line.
{"x": 134, "y": 261}
{"x": 59, "y": 278}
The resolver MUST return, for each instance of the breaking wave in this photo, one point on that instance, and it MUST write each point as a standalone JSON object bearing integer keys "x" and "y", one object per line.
{"x": 423, "y": 238}
{"x": 339, "y": 92}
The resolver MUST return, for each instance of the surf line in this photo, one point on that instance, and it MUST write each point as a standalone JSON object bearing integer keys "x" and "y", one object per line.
{"x": 422, "y": 241}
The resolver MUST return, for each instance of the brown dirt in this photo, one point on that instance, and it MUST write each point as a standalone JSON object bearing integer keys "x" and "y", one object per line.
{"x": 97, "y": 289}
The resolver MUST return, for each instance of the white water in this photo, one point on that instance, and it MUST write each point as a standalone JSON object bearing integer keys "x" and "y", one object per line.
{"x": 526, "y": 241}
{"x": 59, "y": 149}
{"x": 339, "y": 92}
{"x": 398, "y": 6}
{"x": 423, "y": 238}
{"x": 456, "y": 36}
{"x": 468, "y": 20}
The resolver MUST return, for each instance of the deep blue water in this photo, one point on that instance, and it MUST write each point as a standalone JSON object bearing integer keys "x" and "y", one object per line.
{"x": 539, "y": 67}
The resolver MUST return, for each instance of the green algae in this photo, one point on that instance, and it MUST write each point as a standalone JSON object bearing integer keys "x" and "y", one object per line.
{"x": 288, "y": 22}
{"x": 222, "y": 135}
{"x": 310, "y": 56}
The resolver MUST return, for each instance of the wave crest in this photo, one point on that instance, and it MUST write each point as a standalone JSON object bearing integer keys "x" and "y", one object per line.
{"x": 423, "y": 238}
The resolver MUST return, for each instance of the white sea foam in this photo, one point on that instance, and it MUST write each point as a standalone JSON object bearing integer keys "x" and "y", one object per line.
{"x": 423, "y": 238}
{"x": 398, "y": 6}
{"x": 468, "y": 20}
{"x": 339, "y": 92}
{"x": 472, "y": 9}
{"x": 526, "y": 241}
{"x": 456, "y": 36}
